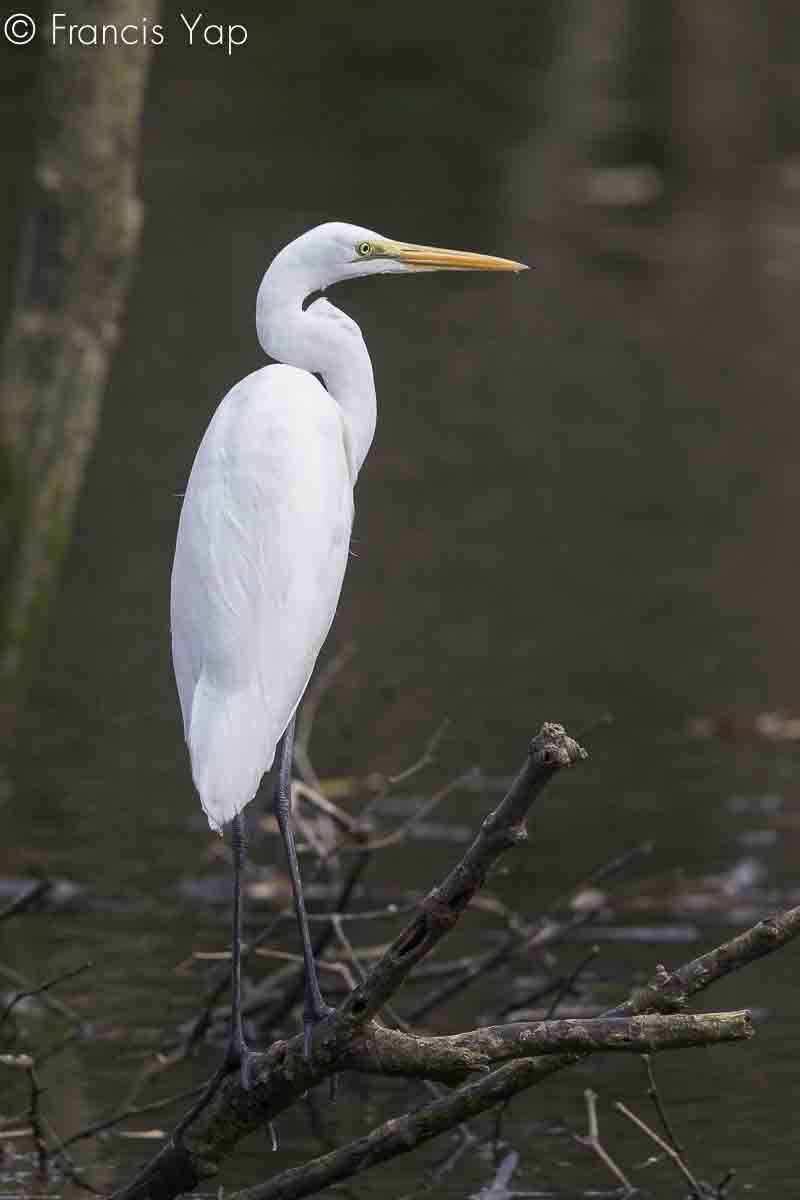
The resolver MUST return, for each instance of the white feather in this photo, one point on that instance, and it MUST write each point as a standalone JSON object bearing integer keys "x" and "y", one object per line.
{"x": 261, "y": 554}
{"x": 265, "y": 526}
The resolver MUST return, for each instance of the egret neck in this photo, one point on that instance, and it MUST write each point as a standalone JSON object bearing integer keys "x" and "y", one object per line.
{"x": 325, "y": 341}
{"x": 259, "y": 561}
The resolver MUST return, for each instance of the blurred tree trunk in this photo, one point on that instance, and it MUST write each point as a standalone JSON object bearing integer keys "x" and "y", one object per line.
{"x": 77, "y": 252}
{"x": 722, "y": 105}
{"x": 585, "y": 106}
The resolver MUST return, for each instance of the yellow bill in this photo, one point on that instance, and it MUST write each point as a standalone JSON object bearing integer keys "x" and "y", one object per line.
{"x": 437, "y": 259}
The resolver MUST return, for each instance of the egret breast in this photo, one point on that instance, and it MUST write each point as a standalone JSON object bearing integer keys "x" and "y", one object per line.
{"x": 262, "y": 549}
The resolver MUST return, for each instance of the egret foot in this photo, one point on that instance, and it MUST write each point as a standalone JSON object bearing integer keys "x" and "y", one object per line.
{"x": 239, "y": 1057}
{"x": 315, "y": 1010}
{"x": 313, "y": 1013}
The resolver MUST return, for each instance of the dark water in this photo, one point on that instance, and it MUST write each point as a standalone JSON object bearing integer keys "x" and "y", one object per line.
{"x": 581, "y": 499}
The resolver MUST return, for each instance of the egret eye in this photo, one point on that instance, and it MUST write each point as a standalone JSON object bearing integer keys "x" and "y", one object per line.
{"x": 363, "y": 249}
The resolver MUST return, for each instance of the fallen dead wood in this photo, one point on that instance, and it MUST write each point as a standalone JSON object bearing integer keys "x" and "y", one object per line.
{"x": 506, "y": 1059}
{"x": 227, "y": 1113}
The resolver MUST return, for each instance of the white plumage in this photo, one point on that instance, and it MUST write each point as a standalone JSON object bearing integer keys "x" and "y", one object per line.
{"x": 262, "y": 548}
{"x": 265, "y": 526}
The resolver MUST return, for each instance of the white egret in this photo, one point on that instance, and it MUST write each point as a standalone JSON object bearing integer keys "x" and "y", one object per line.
{"x": 264, "y": 536}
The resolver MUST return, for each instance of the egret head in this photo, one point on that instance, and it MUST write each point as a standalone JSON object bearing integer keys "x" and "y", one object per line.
{"x": 322, "y": 339}
{"x": 336, "y": 251}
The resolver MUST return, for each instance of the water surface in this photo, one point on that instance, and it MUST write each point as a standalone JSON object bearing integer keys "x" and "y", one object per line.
{"x": 579, "y": 501}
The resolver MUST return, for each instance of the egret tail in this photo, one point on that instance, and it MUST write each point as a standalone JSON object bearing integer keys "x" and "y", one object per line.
{"x": 228, "y": 749}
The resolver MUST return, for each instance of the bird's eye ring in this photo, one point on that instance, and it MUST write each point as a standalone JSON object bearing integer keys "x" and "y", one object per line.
{"x": 363, "y": 249}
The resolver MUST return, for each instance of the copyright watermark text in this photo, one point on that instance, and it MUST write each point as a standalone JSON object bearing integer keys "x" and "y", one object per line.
{"x": 193, "y": 28}
{"x": 19, "y": 29}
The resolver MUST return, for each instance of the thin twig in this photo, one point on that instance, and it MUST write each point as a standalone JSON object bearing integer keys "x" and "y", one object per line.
{"x": 26, "y": 898}
{"x": 669, "y": 1150}
{"x": 42, "y": 987}
{"x": 50, "y": 1001}
{"x": 68, "y": 1166}
{"x": 655, "y": 1096}
{"x": 435, "y": 1175}
{"x": 426, "y": 759}
{"x": 35, "y": 1119}
{"x": 529, "y": 938}
{"x": 308, "y": 712}
{"x": 76, "y": 1035}
{"x": 425, "y": 809}
{"x": 726, "y": 1181}
{"x": 566, "y": 985}
{"x": 592, "y": 1142}
{"x": 561, "y": 988}
{"x": 607, "y": 870}
{"x": 351, "y": 826}
{"x": 135, "y": 1111}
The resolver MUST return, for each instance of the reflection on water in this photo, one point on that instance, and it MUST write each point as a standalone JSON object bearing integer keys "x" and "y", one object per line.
{"x": 579, "y": 500}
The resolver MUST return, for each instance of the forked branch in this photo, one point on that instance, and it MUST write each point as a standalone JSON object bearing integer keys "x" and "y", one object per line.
{"x": 507, "y": 1058}
{"x": 282, "y": 1075}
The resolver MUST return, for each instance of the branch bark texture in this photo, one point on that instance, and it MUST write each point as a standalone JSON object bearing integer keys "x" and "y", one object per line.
{"x": 404, "y": 1134}
{"x": 453, "y": 1059}
{"x": 284, "y": 1074}
{"x": 508, "y": 1058}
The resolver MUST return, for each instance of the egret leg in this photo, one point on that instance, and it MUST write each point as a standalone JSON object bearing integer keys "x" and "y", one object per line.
{"x": 237, "y": 1055}
{"x": 314, "y": 1007}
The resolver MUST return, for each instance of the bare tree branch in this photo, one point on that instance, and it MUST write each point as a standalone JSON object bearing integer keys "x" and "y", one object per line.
{"x": 452, "y": 1059}
{"x": 350, "y": 1037}
{"x": 403, "y": 1134}
{"x": 592, "y": 1142}
{"x": 669, "y": 1150}
{"x": 28, "y": 993}
{"x": 229, "y": 1113}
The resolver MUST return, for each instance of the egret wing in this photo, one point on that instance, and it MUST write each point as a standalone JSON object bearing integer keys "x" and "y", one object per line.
{"x": 261, "y": 553}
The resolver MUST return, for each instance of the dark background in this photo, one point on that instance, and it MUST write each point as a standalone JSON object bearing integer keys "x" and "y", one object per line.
{"x": 581, "y": 498}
